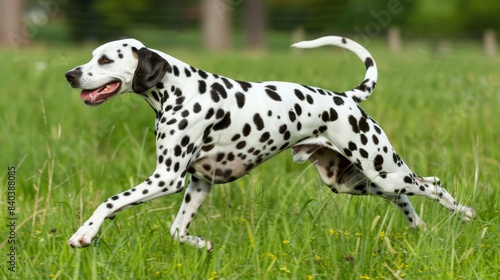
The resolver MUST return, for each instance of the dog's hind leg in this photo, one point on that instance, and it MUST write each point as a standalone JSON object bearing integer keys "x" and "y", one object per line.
{"x": 341, "y": 176}
{"x": 431, "y": 187}
{"x": 194, "y": 196}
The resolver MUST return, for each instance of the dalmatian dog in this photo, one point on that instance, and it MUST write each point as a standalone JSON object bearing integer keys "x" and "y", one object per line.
{"x": 214, "y": 130}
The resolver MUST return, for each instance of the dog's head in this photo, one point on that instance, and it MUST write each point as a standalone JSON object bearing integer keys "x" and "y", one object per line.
{"x": 117, "y": 67}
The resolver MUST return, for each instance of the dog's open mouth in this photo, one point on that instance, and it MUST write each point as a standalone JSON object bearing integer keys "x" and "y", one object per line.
{"x": 101, "y": 94}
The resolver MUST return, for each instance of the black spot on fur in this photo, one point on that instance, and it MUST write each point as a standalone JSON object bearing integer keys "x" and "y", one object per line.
{"x": 274, "y": 95}
{"x": 224, "y": 123}
{"x": 207, "y": 148}
{"x": 368, "y": 62}
{"x": 183, "y": 124}
{"x": 241, "y": 145}
{"x": 227, "y": 83}
{"x": 202, "y": 74}
{"x": 363, "y": 153}
{"x": 155, "y": 95}
{"x": 408, "y": 180}
{"x": 325, "y": 116}
{"x": 283, "y": 128}
{"x": 246, "y": 129}
{"x": 217, "y": 92}
{"x": 352, "y": 146}
{"x": 298, "y": 109}
{"x": 244, "y": 85}
{"x": 210, "y": 113}
{"x": 257, "y": 120}
{"x": 333, "y": 115}
{"x": 202, "y": 86}
{"x": 177, "y": 150}
{"x": 179, "y": 100}
{"x": 354, "y": 124}
{"x": 220, "y": 113}
{"x": 196, "y": 108}
{"x": 363, "y": 125}
{"x": 284, "y": 146}
{"x": 185, "y": 141}
{"x": 286, "y": 135}
{"x": 309, "y": 88}
{"x": 322, "y": 92}
{"x": 338, "y": 100}
{"x": 347, "y": 152}
{"x": 378, "y": 162}
{"x": 299, "y": 95}
{"x": 309, "y": 99}
{"x": 264, "y": 137}
{"x": 220, "y": 157}
{"x": 240, "y": 99}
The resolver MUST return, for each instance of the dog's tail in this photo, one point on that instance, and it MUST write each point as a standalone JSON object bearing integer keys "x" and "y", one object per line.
{"x": 367, "y": 86}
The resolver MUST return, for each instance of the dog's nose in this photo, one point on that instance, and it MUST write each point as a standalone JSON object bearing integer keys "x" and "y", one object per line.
{"x": 73, "y": 75}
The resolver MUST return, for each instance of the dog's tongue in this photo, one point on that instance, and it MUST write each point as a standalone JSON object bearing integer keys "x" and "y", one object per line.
{"x": 99, "y": 94}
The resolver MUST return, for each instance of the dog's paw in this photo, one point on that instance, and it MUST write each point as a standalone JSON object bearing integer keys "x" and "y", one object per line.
{"x": 210, "y": 247}
{"x": 468, "y": 214}
{"x": 418, "y": 224}
{"x": 83, "y": 237}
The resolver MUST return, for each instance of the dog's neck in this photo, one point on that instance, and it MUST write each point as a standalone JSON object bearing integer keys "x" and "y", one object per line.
{"x": 167, "y": 94}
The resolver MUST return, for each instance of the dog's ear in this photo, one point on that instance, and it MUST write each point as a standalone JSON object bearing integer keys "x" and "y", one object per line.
{"x": 150, "y": 69}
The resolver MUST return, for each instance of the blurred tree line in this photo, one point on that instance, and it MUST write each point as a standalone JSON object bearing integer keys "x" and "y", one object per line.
{"x": 105, "y": 18}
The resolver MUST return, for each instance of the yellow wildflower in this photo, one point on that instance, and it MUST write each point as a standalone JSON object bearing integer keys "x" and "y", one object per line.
{"x": 284, "y": 269}
{"x": 271, "y": 256}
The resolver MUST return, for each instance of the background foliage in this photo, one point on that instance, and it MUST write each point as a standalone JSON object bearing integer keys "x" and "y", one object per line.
{"x": 106, "y": 19}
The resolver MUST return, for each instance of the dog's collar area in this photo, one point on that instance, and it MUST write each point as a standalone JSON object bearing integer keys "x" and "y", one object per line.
{"x": 101, "y": 94}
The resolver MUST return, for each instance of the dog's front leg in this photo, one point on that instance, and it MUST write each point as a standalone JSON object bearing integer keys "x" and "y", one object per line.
{"x": 153, "y": 187}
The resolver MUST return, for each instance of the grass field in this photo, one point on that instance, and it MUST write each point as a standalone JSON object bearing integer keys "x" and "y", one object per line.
{"x": 278, "y": 223}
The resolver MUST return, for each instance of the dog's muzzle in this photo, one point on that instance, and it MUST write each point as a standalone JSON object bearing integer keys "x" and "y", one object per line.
{"x": 73, "y": 77}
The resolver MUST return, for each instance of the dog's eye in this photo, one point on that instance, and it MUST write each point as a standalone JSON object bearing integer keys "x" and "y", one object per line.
{"x": 104, "y": 60}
